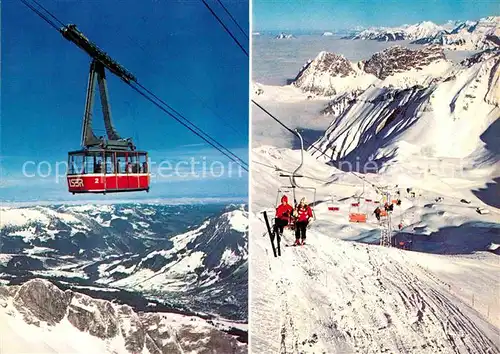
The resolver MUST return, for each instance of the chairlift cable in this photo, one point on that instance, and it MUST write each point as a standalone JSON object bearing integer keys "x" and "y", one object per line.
{"x": 311, "y": 145}
{"x": 213, "y": 142}
{"x": 227, "y": 154}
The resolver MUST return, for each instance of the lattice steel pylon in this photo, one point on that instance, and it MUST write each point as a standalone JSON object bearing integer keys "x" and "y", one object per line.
{"x": 386, "y": 226}
{"x": 386, "y": 231}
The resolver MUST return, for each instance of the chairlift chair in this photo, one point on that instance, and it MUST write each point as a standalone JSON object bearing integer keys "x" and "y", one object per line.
{"x": 355, "y": 215}
{"x": 332, "y": 205}
{"x": 294, "y": 188}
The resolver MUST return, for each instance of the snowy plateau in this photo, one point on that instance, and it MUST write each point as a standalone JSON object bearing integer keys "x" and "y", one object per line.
{"x": 405, "y": 120}
{"x": 124, "y": 278}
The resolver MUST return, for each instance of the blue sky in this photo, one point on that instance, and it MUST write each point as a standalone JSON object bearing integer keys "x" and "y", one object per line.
{"x": 272, "y": 15}
{"x": 174, "y": 48}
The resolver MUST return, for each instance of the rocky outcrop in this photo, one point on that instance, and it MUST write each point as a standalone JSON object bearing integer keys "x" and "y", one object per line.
{"x": 399, "y": 59}
{"x": 39, "y": 300}
{"x": 340, "y": 103}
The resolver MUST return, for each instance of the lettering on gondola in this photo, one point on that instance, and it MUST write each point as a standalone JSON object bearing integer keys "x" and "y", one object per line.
{"x": 76, "y": 182}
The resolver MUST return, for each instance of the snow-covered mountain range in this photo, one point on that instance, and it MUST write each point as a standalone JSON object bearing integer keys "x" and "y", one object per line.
{"x": 407, "y": 32}
{"x": 397, "y": 66}
{"x": 466, "y": 35}
{"x": 191, "y": 257}
{"x": 470, "y": 35}
{"x": 39, "y": 317}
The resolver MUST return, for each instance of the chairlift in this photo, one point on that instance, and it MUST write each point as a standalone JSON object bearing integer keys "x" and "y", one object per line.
{"x": 332, "y": 205}
{"x": 355, "y": 214}
{"x": 294, "y": 188}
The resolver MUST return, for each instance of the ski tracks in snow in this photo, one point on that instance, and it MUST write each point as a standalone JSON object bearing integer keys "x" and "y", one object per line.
{"x": 344, "y": 297}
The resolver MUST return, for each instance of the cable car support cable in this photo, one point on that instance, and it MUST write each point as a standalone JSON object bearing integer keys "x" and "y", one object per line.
{"x": 225, "y": 27}
{"x": 233, "y": 19}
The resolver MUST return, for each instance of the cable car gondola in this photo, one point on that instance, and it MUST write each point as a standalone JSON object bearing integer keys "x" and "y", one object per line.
{"x": 111, "y": 163}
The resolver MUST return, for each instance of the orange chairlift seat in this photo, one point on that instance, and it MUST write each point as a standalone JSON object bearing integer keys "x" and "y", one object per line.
{"x": 356, "y": 216}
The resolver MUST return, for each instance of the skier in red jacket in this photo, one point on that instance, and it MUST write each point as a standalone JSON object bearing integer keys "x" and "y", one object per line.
{"x": 283, "y": 213}
{"x": 303, "y": 215}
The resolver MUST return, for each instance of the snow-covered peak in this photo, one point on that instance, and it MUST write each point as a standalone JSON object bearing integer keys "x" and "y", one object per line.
{"x": 381, "y": 34}
{"x": 317, "y": 75}
{"x": 284, "y": 35}
{"x": 238, "y": 219}
{"x": 422, "y": 29}
{"x": 327, "y": 34}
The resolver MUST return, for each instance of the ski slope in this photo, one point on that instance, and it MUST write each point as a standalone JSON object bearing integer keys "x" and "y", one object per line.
{"x": 342, "y": 293}
{"x": 335, "y": 296}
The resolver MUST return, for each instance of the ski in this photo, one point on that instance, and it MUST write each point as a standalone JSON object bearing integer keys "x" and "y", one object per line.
{"x": 278, "y": 243}
{"x": 271, "y": 234}
{"x": 294, "y": 245}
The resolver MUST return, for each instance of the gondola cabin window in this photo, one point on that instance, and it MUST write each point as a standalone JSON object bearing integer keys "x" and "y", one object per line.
{"x": 75, "y": 164}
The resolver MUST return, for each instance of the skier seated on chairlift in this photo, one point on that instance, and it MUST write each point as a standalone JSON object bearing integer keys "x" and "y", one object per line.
{"x": 303, "y": 215}
{"x": 389, "y": 206}
{"x": 283, "y": 213}
{"x": 377, "y": 212}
